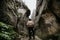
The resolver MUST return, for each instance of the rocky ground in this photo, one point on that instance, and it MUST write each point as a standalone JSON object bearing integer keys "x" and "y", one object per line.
{"x": 27, "y": 38}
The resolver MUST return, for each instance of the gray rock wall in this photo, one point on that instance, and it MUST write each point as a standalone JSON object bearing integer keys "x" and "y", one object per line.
{"x": 49, "y": 20}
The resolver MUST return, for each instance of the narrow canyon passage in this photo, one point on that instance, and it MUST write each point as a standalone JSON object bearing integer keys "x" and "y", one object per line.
{"x": 31, "y": 4}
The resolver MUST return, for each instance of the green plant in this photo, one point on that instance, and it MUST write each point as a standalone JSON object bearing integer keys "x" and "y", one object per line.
{"x": 6, "y": 32}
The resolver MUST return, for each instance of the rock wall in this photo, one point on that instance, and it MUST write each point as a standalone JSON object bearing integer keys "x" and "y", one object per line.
{"x": 8, "y": 11}
{"x": 10, "y": 16}
{"x": 49, "y": 20}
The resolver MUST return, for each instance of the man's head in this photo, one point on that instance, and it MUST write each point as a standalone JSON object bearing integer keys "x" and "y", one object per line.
{"x": 29, "y": 19}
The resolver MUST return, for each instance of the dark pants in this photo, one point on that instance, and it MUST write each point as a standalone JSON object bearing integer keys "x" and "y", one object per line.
{"x": 31, "y": 32}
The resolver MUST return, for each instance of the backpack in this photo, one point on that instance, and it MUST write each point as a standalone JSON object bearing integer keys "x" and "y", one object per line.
{"x": 30, "y": 24}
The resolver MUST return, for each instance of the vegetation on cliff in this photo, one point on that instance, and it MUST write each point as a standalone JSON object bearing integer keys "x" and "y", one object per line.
{"x": 7, "y": 32}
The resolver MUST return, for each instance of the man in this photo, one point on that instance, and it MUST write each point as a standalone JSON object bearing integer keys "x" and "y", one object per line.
{"x": 30, "y": 26}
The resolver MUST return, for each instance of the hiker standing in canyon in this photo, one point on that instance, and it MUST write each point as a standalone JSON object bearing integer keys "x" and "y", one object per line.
{"x": 30, "y": 26}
